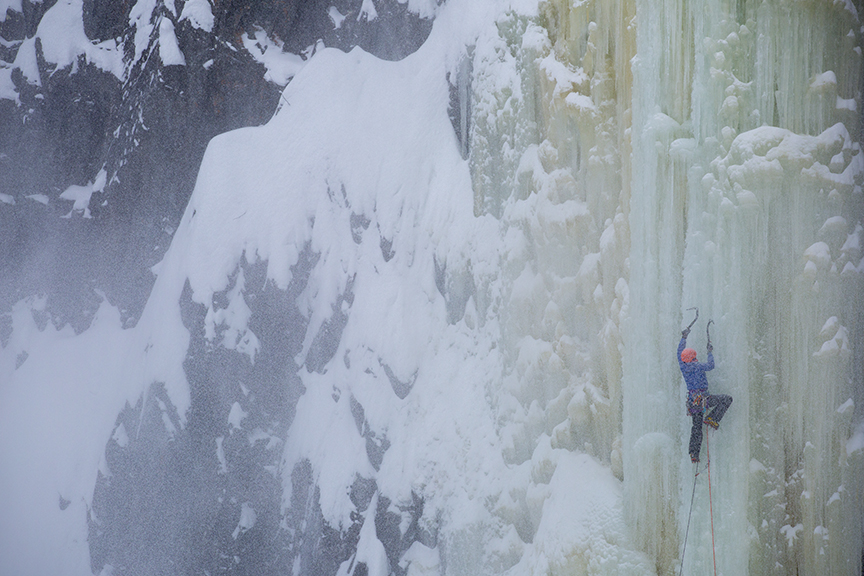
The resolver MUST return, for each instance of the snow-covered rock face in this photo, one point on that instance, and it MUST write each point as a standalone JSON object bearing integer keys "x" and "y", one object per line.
{"x": 423, "y": 321}
{"x": 119, "y": 100}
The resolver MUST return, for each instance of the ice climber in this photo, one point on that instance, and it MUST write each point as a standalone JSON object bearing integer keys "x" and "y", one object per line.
{"x": 701, "y": 406}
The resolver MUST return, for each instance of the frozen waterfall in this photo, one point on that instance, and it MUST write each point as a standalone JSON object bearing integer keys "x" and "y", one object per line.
{"x": 424, "y": 320}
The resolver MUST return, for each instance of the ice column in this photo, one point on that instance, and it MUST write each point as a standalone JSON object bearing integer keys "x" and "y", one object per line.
{"x": 746, "y": 142}
{"x": 550, "y": 113}
{"x": 550, "y": 160}
{"x": 653, "y": 404}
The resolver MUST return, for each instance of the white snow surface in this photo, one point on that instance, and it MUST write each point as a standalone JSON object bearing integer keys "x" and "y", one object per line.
{"x": 169, "y": 50}
{"x": 80, "y": 195}
{"x": 367, "y": 11}
{"x": 7, "y": 87}
{"x": 56, "y": 406}
{"x": 61, "y": 33}
{"x": 247, "y": 520}
{"x": 510, "y": 431}
{"x": 140, "y": 17}
{"x": 199, "y": 13}
{"x": 336, "y": 16}
{"x": 281, "y": 66}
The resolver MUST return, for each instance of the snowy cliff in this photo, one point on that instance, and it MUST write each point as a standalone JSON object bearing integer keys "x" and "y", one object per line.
{"x": 423, "y": 321}
{"x": 105, "y": 112}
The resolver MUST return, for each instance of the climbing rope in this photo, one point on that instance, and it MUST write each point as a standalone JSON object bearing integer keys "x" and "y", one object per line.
{"x": 710, "y": 507}
{"x": 710, "y": 503}
{"x": 690, "y": 515}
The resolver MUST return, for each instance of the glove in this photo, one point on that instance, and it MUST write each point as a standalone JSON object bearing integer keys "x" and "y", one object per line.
{"x": 710, "y": 347}
{"x": 685, "y": 333}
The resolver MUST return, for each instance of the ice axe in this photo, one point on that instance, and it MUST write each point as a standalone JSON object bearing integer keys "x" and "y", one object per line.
{"x": 694, "y": 319}
{"x": 708, "y": 332}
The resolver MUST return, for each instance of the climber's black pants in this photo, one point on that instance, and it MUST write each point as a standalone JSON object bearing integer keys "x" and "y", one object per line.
{"x": 715, "y": 406}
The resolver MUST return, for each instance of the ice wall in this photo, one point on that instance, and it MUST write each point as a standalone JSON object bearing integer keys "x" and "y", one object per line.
{"x": 550, "y": 160}
{"x": 761, "y": 172}
{"x": 548, "y": 163}
{"x": 736, "y": 188}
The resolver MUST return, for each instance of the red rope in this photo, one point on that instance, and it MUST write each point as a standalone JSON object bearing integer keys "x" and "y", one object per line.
{"x": 710, "y": 502}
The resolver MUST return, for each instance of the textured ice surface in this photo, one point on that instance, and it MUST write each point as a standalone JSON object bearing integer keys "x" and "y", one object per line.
{"x": 505, "y": 324}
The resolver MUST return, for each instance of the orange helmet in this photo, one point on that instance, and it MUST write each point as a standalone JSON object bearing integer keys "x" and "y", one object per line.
{"x": 688, "y": 355}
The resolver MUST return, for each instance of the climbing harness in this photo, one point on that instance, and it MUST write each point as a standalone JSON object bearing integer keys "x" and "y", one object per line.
{"x": 696, "y": 403}
{"x": 710, "y": 508}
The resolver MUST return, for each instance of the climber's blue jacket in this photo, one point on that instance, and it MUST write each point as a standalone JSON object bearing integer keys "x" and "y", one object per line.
{"x": 694, "y": 372}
